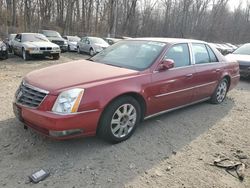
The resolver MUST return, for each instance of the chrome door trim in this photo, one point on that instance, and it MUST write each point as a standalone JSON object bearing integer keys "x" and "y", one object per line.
{"x": 176, "y": 108}
{"x": 182, "y": 90}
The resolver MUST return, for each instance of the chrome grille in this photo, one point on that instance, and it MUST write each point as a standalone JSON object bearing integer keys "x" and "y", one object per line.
{"x": 30, "y": 96}
{"x": 58, "y": 42}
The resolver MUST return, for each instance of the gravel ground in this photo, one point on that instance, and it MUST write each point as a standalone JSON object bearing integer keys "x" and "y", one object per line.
{"x": 172, "y": 150}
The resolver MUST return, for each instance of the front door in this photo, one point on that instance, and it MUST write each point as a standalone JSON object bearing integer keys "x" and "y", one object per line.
{"x": 174, "y": 87}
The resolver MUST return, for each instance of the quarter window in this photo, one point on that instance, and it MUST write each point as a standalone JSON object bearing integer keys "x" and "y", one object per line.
{"x": 212, "y": 56}
{"x": 200, "y": 54}
{"x": 180, "y": 54}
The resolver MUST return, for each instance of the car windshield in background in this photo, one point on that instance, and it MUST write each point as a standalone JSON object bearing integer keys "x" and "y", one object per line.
{"x": 34, "y": 38}
{"x": 51, "y": 34}
{"x": 136, "y": 55}
{"x": 243, "y": 50}
{"x": 96, "y": 40}
{"x": 74, "y": 39}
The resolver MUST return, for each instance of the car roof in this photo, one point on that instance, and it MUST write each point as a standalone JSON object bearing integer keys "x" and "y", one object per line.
{"x": 168, "y": 40}
{"x": 29, "y": 33}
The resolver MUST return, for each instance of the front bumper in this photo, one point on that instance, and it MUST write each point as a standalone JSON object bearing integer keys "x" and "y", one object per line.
{"x": 58, "y": 126}
{"x": 44, "y": 52}
{"x": 64, "y": 47}
{"x": 245, "y": 72}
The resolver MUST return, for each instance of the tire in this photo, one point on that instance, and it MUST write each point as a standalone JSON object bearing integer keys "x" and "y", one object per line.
{"x": 25, "y": 55}
{"x": 6, "y": 56}
{"x": 220, "y": 92}
{"x": 56, "y": 56}
{"x": 117, "y": 125}
{"x": 91, "y": 52}
{"x": 78, "y": 50}
{"x": 69, "y": 48}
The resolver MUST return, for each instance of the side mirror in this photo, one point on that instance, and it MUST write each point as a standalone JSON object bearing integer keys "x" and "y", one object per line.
{"x": 166, "y": 64}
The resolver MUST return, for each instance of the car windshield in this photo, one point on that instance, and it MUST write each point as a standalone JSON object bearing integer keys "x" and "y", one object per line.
{"x": 136, "y": 55}
{"x": 34, "y": 38}
{"x": 12, "y": 36}
{"x": 243, "y": 50}
{"x": 96, "y": 40}
{"x": 51, "y": 34}
{"x": 74, "y": 39}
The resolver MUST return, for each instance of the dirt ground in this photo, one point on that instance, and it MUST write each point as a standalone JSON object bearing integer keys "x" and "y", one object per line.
{"x": 172, "y": 150}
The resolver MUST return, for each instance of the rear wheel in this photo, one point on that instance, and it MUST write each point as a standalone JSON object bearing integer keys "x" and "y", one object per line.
{"x": 25, "y": 55}
{"x": 119, "y": 120}
{"x": 221, "y": 92}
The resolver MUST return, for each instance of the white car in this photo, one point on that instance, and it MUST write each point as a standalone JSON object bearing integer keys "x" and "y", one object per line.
{"x": 91, "y": 45}
{"x": 34, "y": 44}
{"x": 72, "y": 42}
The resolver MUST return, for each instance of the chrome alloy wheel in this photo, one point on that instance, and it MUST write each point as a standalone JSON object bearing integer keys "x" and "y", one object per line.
{"x": 221, "y": 91}
{"x": 123, "y": 120}
{"x": 24, "y": 55}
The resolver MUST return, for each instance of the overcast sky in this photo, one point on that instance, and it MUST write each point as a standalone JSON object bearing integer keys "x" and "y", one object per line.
{"x": 235, "y": 3}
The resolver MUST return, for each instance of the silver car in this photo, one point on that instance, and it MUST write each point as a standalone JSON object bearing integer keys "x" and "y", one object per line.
{"x": 72, "y": 42}
{"x": 34, "y": 44}
{"x": 91, "y": 45}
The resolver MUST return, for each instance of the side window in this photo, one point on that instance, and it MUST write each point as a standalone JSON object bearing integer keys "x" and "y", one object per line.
{"x": 200, "y": 54}
{"x": 180, "y": 54}
{"x": 212, "y": 56}
{"x": 18, "y": 38}
{"x": 83, "y": 39}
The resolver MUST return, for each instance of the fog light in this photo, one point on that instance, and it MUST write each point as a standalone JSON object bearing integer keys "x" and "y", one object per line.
{"x": 65, "y": 133}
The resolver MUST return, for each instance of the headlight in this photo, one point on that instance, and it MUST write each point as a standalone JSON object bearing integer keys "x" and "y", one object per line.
{"x": 68, "y": 101}
{"x": 32, "y": 49}
{"x": 4, "y": 48}
{"x": 56, "y": 48}
{"x": 65, "y": 42}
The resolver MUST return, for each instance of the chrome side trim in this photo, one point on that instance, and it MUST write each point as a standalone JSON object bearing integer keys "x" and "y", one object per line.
{"x": 176, "y": 108}
{"x": 237, "y": 76}
{"x": 35, "y": 88}
{"x": 182, "y": 90}
{"x": 76, "y": 113}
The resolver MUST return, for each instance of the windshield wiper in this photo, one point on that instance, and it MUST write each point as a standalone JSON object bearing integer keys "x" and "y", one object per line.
{"x": 112, "y": 65}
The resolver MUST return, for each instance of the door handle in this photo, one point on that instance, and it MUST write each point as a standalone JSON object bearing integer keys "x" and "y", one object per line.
{"x": 217, "y": 70}
{"x": 189, "y": 75}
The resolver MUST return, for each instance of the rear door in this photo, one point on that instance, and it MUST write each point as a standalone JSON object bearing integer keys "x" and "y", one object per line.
{"x": 17, "y": 44}
{"x": 208, "y": 70}
{"x": 174, "y": 87}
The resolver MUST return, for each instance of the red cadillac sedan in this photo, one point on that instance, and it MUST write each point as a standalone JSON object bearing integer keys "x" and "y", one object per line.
{"x": 130, "y": 81}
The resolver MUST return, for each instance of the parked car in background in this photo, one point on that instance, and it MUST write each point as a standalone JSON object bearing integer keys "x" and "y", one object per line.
{"x": 124, "y": 84}
{"x": 10, "y": 40}
{"x": 56, "y": 38}
{"x": 242, "y": 55}
{"x": 72, "y": 42}
{"x": 34, "y": 44}
{"x": 3, "y": 50}
{"x": 112, "y": 41}
{"x": 91, "y": 45}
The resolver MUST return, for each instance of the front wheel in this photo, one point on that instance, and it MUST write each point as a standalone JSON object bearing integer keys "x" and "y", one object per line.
{"x": 78, "y": 50}
{"x": 56, "y": 56}
{"x": 25, "y": 55}
{"x": 91, "y": 52}
{"x": 119, "y": 120}
{"x": 221, "y": 92}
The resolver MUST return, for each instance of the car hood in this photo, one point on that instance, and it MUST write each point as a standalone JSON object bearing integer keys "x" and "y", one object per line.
{"x": 239, "y": 57}
{"x": 72, "y": 43}
{"x": 39, "y": 44}
{"x": 56, "y": 38}
{"x": 75, "y": 74}
{"x": 101, "y": 45}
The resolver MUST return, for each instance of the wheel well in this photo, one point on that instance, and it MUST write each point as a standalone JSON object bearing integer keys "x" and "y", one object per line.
{"x": 137, "y": 97}
{"x": 228, "y": 80}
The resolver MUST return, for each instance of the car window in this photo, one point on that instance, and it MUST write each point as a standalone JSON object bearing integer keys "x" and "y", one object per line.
{"x": 180, "y": 54}
{"x": 212, "y": 55}
{"x": 200, "y": 52}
